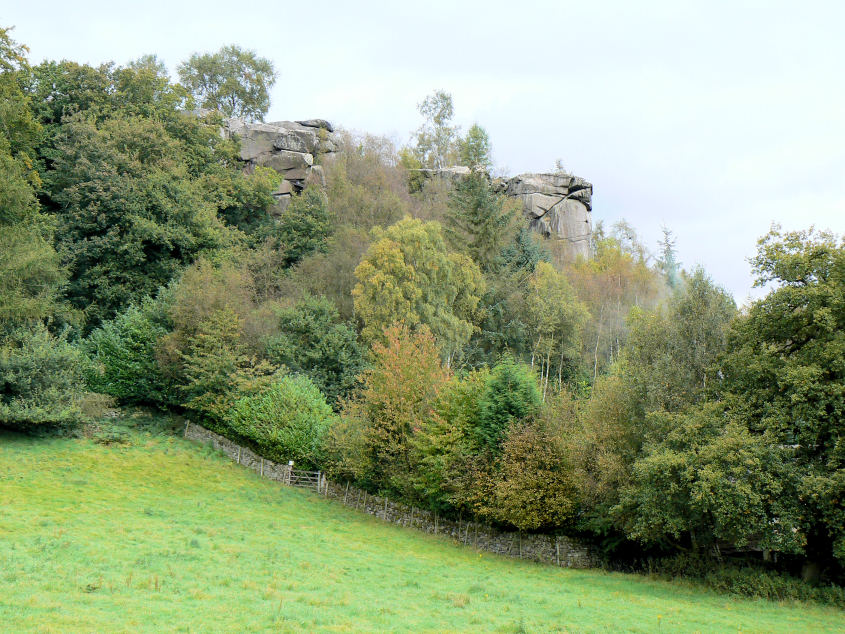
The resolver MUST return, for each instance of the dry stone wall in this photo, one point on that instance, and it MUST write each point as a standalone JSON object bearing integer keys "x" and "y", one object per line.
{"x": 551, "y": 549}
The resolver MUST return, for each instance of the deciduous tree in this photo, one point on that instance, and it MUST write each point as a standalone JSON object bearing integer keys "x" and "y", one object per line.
{"x": 234, "y": 80}
{"x": 408, "y": 276}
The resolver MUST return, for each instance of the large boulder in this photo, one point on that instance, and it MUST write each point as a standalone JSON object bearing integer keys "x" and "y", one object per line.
{"x": 558, "y": 206}
{"x": 288, "y": 147}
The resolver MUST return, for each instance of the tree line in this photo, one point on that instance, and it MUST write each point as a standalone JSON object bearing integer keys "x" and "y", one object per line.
{"x": 406, "y": 333}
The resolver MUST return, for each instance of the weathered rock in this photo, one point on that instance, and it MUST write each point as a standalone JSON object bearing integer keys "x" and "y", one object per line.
{"x": 284, "y": 160}
{"x": 327, "y": 146}
{"x": 297, "y": 176}
{"x": 557, "y": 206}
{"x": 287, "y": 147}
{"x": 282, "y": 202}
{"x": 317, "y": 123}
{"x": 316, "y": 176}
{"x": 296, "y": 141}
{"x": 256, "y": 138}
{"x": 285, "y": 187}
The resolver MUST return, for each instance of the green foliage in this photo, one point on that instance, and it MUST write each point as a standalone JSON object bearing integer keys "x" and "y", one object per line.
{"x": 287, "y": 421}
{"x": 41, "y": 379}
{"x": 303, "y": 228}
{"x": 124, "y": 351}
{"x": 604, "y": 446}
{"x": 475, "y": 148}
{"x": 480, "y": 221}
{"x": 399, "y": 393}
{"x": 772, "y": 585}
{"x": 785, "y": 377}
{"x": 555, "y": 319}
{"x": 408, "y": 276}
{"x": 444, "y": 445}
{"x": 525, "y": 251}
{"x": 747, "y": 580}
{"x": 533, "y": 487}
{"x": 708, "y": 478}
{"x": 138, "y": 187}
{"x": 30, "y": 276}
{"x": 217, "y": 369}
{"x": 409, "y": 160}
{"x": 668, "y": 262}
{"x": 672, "y": 351}
{"x": 510, "y": 396}
{"x": 233, "y": 80}
{"x": 437, "y": 140}
{"x": 366, "y": 187}
{"x": 313, "y": 341}
{"x": 30, "y": 272}
{"x": 131, "y": 214}
{"x": 614, "y": 280}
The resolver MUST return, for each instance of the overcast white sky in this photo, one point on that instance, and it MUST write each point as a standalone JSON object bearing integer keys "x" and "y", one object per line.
{"x": 713, "y": 118}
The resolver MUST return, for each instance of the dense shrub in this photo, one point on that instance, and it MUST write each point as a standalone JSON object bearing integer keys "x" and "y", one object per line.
{"x": 313, "y": 341}
{"x": 397, "y": 399}
{"x": 217, "y": 370}
{"x": 124, "y": 349}
{"x": 511, "y": 394}
{"x": 287, "y": 421}
{"x": 41, "y": 379}
{"x": 773, "y": 585}
{"x": 534, "y": 487}
{"x": 303, "y": 227}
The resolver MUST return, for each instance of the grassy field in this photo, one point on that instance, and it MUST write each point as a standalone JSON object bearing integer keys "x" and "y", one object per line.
{"x": 162, "y": 535}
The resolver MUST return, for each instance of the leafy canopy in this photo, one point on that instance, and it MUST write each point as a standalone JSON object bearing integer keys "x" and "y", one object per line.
{"x": 233, "y": 80}
{"x": 409, "y": 276}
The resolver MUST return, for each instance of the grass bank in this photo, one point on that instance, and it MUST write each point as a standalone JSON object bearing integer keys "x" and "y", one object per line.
{"x": 157, "y": 534}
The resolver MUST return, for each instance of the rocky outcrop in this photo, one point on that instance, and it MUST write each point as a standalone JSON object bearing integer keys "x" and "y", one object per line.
{"x": 558, "y": 206}
{"x": 289, "y": 148}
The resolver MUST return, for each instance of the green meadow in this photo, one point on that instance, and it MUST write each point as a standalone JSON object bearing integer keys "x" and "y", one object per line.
{"x": 157, "y": 534}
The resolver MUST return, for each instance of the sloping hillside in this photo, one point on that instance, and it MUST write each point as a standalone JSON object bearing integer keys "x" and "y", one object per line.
{"x": 158, "y": 534}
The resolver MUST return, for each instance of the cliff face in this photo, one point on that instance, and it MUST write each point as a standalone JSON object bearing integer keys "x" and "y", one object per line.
{"x": 556, "y": 205}
{"x": 289, "y": 148}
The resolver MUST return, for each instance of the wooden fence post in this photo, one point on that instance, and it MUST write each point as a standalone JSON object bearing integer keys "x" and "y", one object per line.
{"x": 239, "y": 454}
{"x": 557, "y": 551}
{"x": 186, "y": 427}
{"x": 262, "y": 467}
{"x": 346, "y": 493}
{"x": 384, "y": 515}
{"x": 435, "y": 522}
